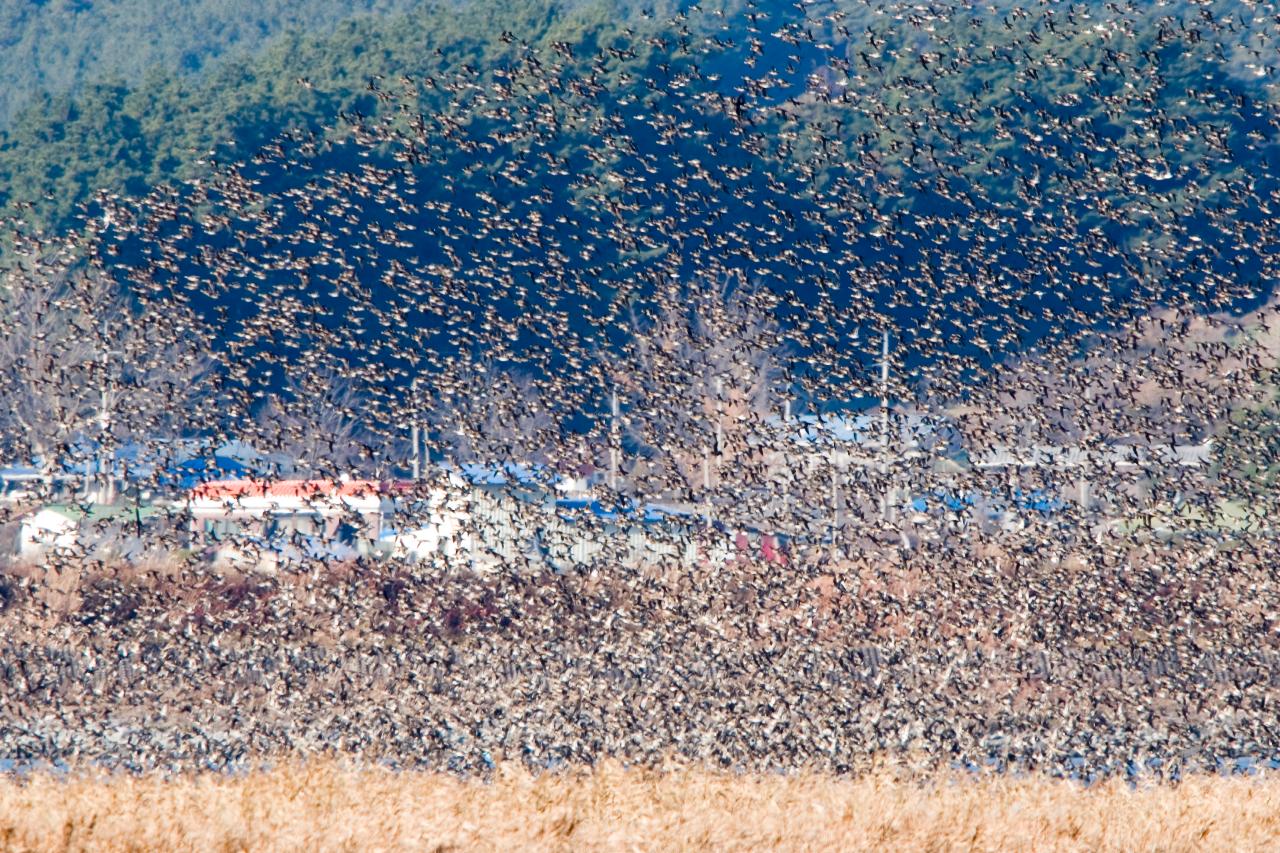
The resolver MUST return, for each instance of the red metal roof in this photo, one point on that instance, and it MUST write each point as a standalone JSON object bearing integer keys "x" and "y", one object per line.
{"x": 232, "y": 489}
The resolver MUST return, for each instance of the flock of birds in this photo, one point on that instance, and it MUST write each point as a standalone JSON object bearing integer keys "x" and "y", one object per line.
{"x": 712, "y": 218}
{"x": 1156, "y": 662}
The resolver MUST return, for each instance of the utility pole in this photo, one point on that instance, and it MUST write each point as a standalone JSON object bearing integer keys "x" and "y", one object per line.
{"x": 835, "y": 500}
{"x": 719, "y": 424}
{"x": 884, "y": 390}
{"x": 1085, "y": 460}
{"x": 885, "y": 508}
{"x": 104, "y": 423}
{"x": 106, "y": 492}
{"x": 615, "y": 451}
{"x": 417, "y": 467}
{"x": 717, "y": 448}
{"x": 786, "y": 459}
{"x": 706, "y": 484}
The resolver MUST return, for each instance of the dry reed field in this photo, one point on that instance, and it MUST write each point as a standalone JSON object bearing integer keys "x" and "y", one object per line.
{"x": 331, "y": 806}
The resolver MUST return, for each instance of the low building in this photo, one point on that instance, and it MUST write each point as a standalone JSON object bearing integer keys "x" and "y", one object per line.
{"x": 1061, "y": 457}
{"x": 19, "y": 483}
{"x": 68, "y": 530}
{"x": 260, "y": 521}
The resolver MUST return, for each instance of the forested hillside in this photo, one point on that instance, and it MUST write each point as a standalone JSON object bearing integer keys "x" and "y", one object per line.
{"x": 1036, "y": 167}
{"x": 60, "y": 45}
{"x": 1130, "y": 75}
{"x": 126, "y": 137}
{"x": 1110, "y": 146}
{"x": 1017, "y": 172}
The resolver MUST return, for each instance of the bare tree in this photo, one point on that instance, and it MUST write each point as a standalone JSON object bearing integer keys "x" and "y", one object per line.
{"x": 699, "y": 376}
{"x": 45, "y": 366}
{"x": 315, "y": 422}
{"x": 80, "y": 371}
{"x": 486, "y": 413}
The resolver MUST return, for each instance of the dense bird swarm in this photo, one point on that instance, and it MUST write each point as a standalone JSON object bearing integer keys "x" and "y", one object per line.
{"x": 711, "y": 217}
{"x": 939, "y": 659}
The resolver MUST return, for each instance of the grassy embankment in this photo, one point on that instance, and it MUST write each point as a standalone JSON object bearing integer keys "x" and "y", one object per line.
{"x": 333, "y": 807}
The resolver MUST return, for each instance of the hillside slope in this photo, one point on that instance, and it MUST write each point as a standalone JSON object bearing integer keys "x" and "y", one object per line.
{"x": 59, "y": 46}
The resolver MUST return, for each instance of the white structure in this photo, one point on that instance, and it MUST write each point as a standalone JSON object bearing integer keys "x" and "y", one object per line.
{"x": 263, "y": 523}
{"x": 443, "y": 527}
{"x": 45, "y": 532}
{"x": 1120, "y": 456}
{"x": 19, "y": 484}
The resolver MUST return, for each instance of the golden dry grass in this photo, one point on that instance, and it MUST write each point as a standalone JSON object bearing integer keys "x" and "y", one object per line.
{"x": 327, "y": 806}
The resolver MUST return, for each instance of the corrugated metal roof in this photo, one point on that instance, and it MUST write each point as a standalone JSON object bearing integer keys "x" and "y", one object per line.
{"x": 233, "y": 489}
{"x": 99, "y": 512}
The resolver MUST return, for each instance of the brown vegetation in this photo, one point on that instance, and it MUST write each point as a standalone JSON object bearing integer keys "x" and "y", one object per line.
{"x": 329, "y": 806}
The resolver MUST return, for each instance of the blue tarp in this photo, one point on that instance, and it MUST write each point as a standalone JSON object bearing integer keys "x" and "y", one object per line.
{"x": 189, "y": 474}
{"x": 479, "y": 474}
{"x": 648, "y": 513}
{"x": 1038, "y": 500}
